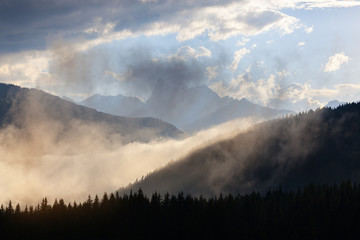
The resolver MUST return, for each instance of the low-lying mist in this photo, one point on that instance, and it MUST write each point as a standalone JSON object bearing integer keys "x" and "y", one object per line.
{"x": 320, "y": 147}
{"x": 45, "y": 157}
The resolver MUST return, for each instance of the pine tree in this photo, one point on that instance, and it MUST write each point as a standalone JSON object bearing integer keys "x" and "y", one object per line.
{"x": 9, "y": 210}
{"x": 17, "y": 209}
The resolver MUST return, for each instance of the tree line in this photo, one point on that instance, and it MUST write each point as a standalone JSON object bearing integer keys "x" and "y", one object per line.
{"x": 313, "y": 212}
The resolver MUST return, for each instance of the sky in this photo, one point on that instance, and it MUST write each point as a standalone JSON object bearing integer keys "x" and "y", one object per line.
{"x": 282, "y": 54}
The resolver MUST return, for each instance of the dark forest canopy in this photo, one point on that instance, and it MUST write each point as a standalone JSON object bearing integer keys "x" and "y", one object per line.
{"x": 321, "y": 146}
{"x": 314, "y": 212}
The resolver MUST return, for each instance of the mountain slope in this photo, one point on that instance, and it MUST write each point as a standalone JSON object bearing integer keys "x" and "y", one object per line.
{"x": 118, "y": 105}
{"x": 190, "y": 109}
{"x": 30, "y": 107}
{"x": 314, "y": 147}
{"x": 334, "y": 104}
{"x": 235, "y": 109}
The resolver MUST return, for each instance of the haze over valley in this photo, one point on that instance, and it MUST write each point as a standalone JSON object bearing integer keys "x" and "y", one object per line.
{"x": 196, "y": 96}
{"x": 192, "y": 109}
{"x": 55, "y": 148}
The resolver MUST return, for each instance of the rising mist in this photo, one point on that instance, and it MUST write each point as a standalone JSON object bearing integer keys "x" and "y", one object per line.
{"x": 65, "y": 155}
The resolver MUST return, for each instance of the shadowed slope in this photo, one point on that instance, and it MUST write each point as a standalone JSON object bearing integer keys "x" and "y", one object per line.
{"x": 314, "y": 147}
{"x": 23, "y": 107}
{"x": 190, "y": 109}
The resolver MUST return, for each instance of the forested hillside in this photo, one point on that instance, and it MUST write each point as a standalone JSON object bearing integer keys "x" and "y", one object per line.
{"x": 321, "y": 146}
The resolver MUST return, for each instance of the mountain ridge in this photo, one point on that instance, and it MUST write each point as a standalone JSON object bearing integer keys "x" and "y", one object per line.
{"x": 19, "y": 105}
{"x": 317, "y": 147}
{"x": 191, "y": 109}
{"x": 334, "y": 104}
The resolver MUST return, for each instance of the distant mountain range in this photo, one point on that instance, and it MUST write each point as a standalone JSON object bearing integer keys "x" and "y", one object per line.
{"x": 334, "y": 104}
{"x": 190, "y": 109}
{"x": 22, "y": 106}
{"x": 319, "y": 147}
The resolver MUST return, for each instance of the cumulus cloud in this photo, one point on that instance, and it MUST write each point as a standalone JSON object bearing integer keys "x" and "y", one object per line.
{"x": 238, "y": 55}
{"x": 309, "y": 30}
{"x": 243, "y": 86}
{"x": 270, "y": 91}
{"x": 336, "y": 61}
{"x": 301, "y": 43}
{"x": 189, "y": 52}
{"x": 23, "y": 68}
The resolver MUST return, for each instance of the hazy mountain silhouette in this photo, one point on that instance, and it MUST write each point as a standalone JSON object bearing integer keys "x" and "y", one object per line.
{"x": 315, "y": 147}
{"x": 22, "y": 106}
{"x": 188, "y": 108}
{"x": 334, "y": 104}
{"x": 118, "y": 105}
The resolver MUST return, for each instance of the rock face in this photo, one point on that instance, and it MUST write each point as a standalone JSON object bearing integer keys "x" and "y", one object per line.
{"x": 22, "y": 107}
{"x": 315, "y": 147}
{"x": 191, "y": 109}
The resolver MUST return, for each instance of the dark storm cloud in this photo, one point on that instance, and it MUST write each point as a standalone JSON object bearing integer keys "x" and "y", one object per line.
{"x": 171, "y": 74}
{"x": 30, "y": 24}
{"x": 134, "y": 70}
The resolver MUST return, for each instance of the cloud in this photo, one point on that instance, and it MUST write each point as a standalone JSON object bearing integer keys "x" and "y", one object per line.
{"x": 309, "y": 5}
{"x": 243, "y": 86}
{"x": 65, "y": 69}
{"x": 212, "y": 72}
{"x": 100, "y": 28}
{"x": 71, "y": 159}
{"x": 273, "y": 91}
{"x": 23, "y": 68}
{"x": 345, "y": 92}
{"x": 336, "y": 61}
{"x": 189, "y": 52}
{"x": 131, "y": 71}
{"x": 220, "y": 22}
{"x": 242, "y": 42}
{"x": 270, "y": 91}
{"x": 127, "y": 75}
{"x": 301, "y": 43}
{"x": 110, "y": 20}
{"x": 309, "y": 30}
{"x": 33, "y": 24}
{"x": 238, "y": 55}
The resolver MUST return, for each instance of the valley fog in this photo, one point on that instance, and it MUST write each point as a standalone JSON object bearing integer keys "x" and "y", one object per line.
{"x": 47, "y": 159}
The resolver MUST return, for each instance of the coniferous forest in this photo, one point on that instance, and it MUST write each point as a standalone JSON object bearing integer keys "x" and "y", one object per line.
{"x": 313, "y": 212}
{"x": 328, "y": 209}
